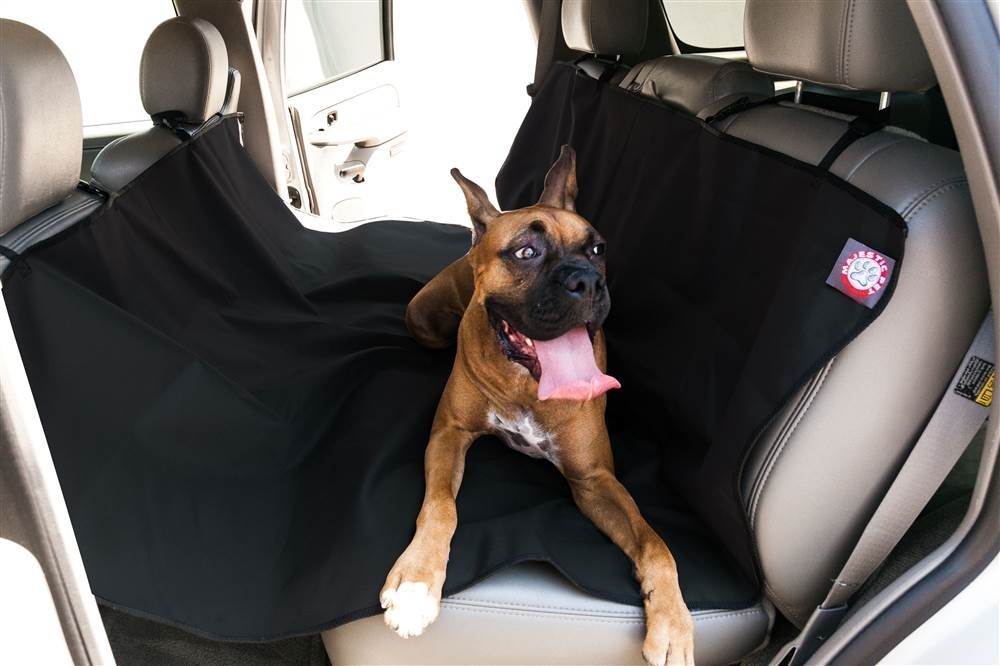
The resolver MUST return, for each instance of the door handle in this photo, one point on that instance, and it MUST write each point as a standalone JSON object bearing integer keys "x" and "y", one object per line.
{"x": 352, "y": 171}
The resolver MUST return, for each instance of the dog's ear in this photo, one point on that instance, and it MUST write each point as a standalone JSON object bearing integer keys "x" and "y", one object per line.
{"x": 560, "y": 181}
{"x": 481, "y": 210}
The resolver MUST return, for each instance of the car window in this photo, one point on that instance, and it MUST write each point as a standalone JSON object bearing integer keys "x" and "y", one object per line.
{"x": 103, "y": 52}
{"x": 707, "y": 24}
{"x": 327, "y": 40}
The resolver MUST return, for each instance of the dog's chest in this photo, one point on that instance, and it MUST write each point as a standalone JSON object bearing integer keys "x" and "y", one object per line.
{"x": 522, "y": 433}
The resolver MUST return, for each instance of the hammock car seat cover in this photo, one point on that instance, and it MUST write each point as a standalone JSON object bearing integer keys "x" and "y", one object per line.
{"x": 238, "y": 415}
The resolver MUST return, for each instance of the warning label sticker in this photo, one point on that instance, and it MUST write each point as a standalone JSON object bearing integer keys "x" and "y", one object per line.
{"x": 977, "y": 381}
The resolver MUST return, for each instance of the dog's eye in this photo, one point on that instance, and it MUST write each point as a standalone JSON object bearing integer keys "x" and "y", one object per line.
{"x": 597, "y": 250}
{"x": 526, "y": 252}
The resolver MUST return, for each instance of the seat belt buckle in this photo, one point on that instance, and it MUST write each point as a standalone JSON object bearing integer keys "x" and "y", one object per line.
{"x": 820, "y": 626}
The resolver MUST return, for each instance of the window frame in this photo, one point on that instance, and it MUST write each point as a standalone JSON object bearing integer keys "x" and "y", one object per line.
{"x": 388, "y": 53}
{"x": 683, "y": 48}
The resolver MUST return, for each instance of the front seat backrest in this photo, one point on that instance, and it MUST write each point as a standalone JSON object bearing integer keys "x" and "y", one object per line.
{"x": 41, "y": 142}
{"x": 40, "y": 125}
{"x": 817, "y": 473}
{"x": 184, "y": 82}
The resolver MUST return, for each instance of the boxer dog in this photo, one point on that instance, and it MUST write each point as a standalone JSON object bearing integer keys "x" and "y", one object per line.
{"x": 527, "y": 303}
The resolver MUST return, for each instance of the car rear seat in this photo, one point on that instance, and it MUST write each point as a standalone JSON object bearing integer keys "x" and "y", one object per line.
{"x": 810, "y": 451}
{"x": 816, "y": 474}
{"x": 839, "y": 443}
{"x": 185, "y": 83}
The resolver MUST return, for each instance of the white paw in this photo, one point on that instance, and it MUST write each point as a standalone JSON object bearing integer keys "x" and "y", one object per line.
{"x": 409, "y": 608}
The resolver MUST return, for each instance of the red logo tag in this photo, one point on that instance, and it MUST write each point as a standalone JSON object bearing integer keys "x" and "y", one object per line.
{"x": 864, "y": 273}
{"x": 861, "y": 273}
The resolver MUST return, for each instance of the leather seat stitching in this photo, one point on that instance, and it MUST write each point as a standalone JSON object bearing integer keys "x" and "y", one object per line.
{"x": 808, "y": 401}
{"x": 637, "y": 610}
{"x": 3, "y": 148}
{"x": 577, "y": 618}
{"x": 847, "y": 43}
{"x": 937, "y": 193}
{"x": 804, "y": 404}
{"x": 919, "y": 195}
{"x": 565, "y": 618}
{"x": 924, "y": 198}
{"x": 872, "y": 154}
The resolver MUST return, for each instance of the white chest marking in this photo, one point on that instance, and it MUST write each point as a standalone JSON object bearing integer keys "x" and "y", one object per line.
{"x": 525, "y": 435}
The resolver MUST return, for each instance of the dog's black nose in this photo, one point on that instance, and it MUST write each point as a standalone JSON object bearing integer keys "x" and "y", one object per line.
{"x": 581, "y": 281}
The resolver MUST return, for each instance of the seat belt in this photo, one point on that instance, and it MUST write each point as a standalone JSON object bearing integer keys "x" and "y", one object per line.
{"x": 956, "y": 420}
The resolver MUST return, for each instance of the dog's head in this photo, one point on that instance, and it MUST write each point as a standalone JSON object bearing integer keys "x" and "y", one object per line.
{"x": 540, "y": 275}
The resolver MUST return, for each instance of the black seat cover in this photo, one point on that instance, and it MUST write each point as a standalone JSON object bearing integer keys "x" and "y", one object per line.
{"x": 238, "y": 415}
{"x": 718, "y": 256}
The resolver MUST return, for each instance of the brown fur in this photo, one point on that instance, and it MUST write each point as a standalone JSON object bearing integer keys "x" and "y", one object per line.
{"x": 450, "y": 308}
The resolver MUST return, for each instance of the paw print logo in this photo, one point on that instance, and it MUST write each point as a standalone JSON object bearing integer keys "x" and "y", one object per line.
{"x": 864, "y": 273}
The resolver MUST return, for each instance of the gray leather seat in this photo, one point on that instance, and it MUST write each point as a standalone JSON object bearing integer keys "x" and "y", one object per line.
{"x": 815, "y": 476}
{"x": 40, "y": 141}
{"x": 184, "y": 82}
{"x": 698, "y": 84}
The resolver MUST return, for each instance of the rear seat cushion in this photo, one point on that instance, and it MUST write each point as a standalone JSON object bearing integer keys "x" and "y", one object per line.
{"x": 529, "y": 614}
{"x": 40, "y": 124}
{"x": 693, "y": 83}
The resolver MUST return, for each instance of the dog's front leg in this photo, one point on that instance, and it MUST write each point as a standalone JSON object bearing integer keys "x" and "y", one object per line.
{"x": 603, "y": 499}
{"x": 411, "y": 595}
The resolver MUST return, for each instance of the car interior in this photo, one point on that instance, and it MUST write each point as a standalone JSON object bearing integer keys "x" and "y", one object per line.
{"x": 842, "y": 91}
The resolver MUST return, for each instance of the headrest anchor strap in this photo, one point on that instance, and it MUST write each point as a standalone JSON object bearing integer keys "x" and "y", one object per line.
{"x": 859, "y": 127}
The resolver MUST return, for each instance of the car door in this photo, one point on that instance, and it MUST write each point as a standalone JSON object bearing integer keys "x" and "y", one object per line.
{"x": 340, "y": 96}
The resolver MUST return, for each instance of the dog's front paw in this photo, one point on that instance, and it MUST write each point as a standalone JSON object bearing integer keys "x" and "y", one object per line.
{"x": 669, "y": 637}
{"x": 409, "y": 607}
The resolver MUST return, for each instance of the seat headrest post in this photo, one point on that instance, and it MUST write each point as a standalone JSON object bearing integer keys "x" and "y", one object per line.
{"x": 883, "y": 100}
{"x": 41, "y": 126}
{"x": 232, "y": 99}
{"x": 870, "y": 45}
{"x": 798, "y": 92}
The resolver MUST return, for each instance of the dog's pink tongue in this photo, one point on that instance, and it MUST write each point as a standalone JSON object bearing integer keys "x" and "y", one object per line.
{"x": 568, "y": 368}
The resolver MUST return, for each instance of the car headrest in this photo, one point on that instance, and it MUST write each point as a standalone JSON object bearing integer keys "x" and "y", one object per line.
{"x": 851, "y": 44}
{"x": 605, "y": 27}
{"x": 184, "y": 70}
{"x": 41, "y": 128}
{"x": 696, "y": 83}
